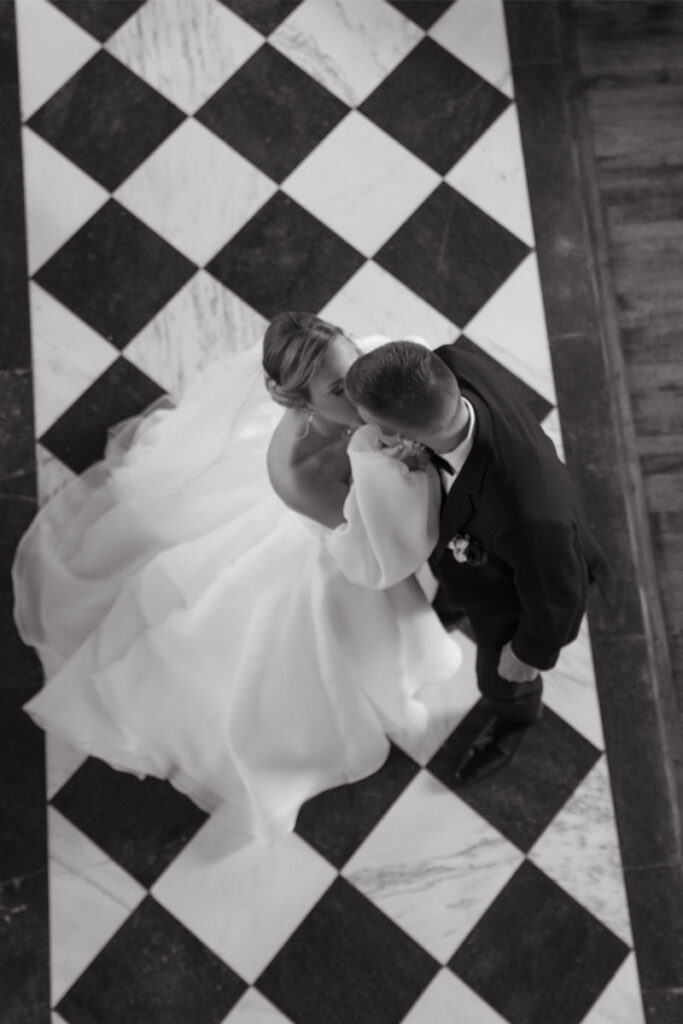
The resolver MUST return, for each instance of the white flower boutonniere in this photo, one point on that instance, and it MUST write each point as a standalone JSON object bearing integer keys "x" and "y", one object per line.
{"x": 467, "y": 549}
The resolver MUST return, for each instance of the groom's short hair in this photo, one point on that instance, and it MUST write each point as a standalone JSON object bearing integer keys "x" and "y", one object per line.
{"x": 403, "y": 382}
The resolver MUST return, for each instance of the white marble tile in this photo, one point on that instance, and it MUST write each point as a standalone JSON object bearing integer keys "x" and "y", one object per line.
{"x": 580, "y": 851}
{"x": 511, "y": 327}
{"x": 253, "y": 1008}
{"x": 67, "y": 357}
{"x": 620, "y": 1002}
{"x": 551, "y": 426}
{"x": 570, "y": 690}
{"x": 56, "y": 1019}
{"x": 195, "y": 191}
{"x": 202, "y": 321}
{"x": 447, "y": 704}
{"x": 61, "y": 761}
{"x": 375, "y": 302}
{"x": 433, "y": 865}
{"x": 347, "y": 47}
{"x": 474, "y": 32}
{"x": 185, "y": 50}
{"x": 59, "y": 198}
{"x": 241, "y": 898}
{"x": 361, "y": 183}
{"x": 491, "y": 175}
{"x": 90, "y": 898}
{"x": 51, "y": 49}
{"x": 52, "y": 474}
{"x": 448, "y": 1000}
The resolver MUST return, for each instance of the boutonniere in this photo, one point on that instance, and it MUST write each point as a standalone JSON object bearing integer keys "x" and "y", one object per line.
{"x": 467, "y": 549}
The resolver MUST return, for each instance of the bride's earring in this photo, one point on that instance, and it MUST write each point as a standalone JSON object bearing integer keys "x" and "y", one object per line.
{"x": 307, "y": 427}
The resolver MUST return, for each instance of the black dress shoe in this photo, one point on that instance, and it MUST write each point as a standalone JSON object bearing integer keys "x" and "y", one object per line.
{"x": 494, "y": 747}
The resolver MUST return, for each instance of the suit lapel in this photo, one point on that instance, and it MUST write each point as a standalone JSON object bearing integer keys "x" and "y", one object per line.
{"x": 460, "y": 503}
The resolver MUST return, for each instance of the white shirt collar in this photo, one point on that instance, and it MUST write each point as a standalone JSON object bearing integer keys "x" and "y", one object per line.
{"x": 458, "y": 455}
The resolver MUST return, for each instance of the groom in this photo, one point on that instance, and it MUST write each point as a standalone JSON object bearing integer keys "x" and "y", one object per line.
{"x": 514, "y": 552}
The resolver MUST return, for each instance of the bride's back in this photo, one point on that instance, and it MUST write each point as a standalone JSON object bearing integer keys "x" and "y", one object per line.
{"x": 310, "y": 473}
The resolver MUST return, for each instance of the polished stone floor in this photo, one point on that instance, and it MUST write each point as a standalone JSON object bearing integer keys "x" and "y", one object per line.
{"x": 191, "y": 168}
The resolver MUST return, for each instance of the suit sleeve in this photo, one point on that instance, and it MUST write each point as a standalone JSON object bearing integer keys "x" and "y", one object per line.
{"x": 551, "y": 579}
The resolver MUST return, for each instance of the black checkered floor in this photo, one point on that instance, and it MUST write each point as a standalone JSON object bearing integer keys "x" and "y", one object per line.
{"x": 193, "y": 167}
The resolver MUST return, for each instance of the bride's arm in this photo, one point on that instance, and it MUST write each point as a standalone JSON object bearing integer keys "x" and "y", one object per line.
{"x": 391, "y": 516}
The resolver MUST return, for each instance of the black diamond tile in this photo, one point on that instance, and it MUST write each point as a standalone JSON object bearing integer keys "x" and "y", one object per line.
{"x": 264, "y": 15}
{"x": 452, "y": 254}
{"x": 106, "y": 119}
{"x": 423, "y": 12}
{"x": 24, "y": 926}
{"x": 272, "y": 112}
{"x": 522, "y": 800}
{"x": 434, "y": 105}
{"x": 115, "y": 273}
{"x": 536, "y": 956}
{"x": 517, "y": 389}
{"x": 142, "y": 824}
{"x": 347, "y": 962}
{"x": 284, "y": 258}
{"x": 336, "y": 822}
{"x": 153, "y": 970}
{"x": 78, "y": 437}
{"x": 99, "y": 19}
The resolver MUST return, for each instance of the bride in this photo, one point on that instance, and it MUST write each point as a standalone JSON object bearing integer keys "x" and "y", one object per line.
{"x": 228, "y": 599}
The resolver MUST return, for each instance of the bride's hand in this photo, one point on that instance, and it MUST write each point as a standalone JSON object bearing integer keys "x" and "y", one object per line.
{"x": 411, "y": 453}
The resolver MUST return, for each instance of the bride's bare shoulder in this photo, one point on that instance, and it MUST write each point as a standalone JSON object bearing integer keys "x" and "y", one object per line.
{"x": 307, "y": 481}
{"x": 283, "y": 444}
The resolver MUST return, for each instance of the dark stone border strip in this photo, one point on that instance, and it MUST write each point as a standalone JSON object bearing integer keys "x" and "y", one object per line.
{"x": 595, "y": 417}
{"x": 24, "y": 931}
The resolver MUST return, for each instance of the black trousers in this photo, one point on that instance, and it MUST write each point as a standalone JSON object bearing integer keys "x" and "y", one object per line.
{"x": 492, "y": 629}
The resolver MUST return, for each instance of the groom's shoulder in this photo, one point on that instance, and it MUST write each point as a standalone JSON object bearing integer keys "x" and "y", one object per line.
{"x": 474, "y": 369}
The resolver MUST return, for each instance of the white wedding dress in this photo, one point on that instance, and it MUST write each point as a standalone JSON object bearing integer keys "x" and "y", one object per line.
{"x": 193, "y": 628}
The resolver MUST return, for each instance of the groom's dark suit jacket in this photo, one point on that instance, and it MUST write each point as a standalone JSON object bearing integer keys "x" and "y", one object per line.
{"x": 515, "y": 500}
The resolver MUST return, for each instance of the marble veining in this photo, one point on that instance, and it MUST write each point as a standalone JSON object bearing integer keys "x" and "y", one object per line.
{"x": 195, "y": 191}
{"x": 361, "y": 183}
{"x": 475, "y": 33}
{"x": 491, "y": 174}
{"x": 90, "y": 898}
{"x": 67, "y": 357}
{"x": 221, "y": 868}
{"x": 511, "y": 328}
{"x": 580, "y": 851}
{"x": 59, "y": 198}
{"x": 201, "y": 323}
{"x": 432, "y": 865}
{"x": 51, "y": 49}
{"x": 348, "y": 48}
{"x": 373, "y": 301}
{"x": 185, "y": 50}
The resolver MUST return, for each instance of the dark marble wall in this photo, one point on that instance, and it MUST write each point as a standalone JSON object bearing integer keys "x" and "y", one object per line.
{"x": 24, "y": 978}
{"x": 541, "y": 49}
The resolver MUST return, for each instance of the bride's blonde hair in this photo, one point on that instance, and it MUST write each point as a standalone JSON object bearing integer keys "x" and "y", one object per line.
{"x": 294, "y": 346}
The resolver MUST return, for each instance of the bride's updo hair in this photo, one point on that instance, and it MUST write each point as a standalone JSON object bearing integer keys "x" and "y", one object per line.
{"x": 294, "y": 346}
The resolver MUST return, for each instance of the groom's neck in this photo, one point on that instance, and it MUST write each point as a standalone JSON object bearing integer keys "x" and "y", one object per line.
{"x": 456, "y": 433}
